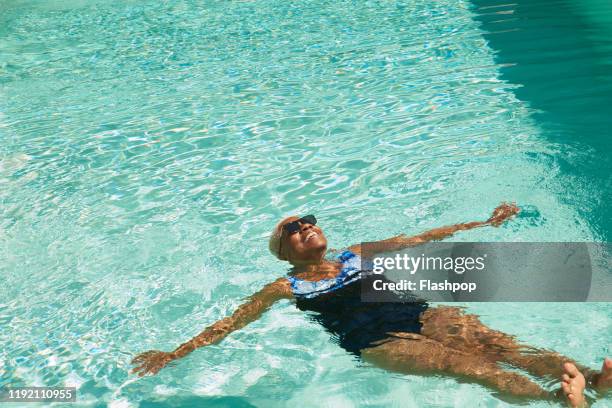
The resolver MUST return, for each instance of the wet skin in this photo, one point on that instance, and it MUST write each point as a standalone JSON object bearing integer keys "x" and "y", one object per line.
{"x": 451, "y": 342}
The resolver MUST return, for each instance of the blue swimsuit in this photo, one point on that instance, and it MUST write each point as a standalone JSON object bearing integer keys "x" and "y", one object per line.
{"x": 337, "y": 306}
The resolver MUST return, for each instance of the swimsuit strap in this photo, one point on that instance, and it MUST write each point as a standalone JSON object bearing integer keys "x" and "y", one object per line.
{"x": 345, "y": 256}
{"x": 350, "y": 272}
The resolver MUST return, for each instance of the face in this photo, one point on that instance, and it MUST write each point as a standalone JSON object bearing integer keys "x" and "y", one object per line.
{"x": 308, "y": 244}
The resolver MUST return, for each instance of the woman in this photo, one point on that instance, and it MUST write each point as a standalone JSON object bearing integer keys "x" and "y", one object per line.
{"x": 403, "y": 337}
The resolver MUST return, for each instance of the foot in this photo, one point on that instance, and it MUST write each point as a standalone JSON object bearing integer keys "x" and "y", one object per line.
{"x": 604, "y": 379}
{"x": 573, "y": 386}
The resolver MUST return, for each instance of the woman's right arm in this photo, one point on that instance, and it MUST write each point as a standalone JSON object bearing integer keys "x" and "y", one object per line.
{"x": 152, "y": 361}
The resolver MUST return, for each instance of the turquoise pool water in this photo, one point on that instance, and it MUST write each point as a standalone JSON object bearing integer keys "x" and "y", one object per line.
{"x": 149, "y": 147}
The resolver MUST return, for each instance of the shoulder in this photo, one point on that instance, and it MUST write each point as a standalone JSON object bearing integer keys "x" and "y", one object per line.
{"x": 355, "y": 249}
{"x": 280, "y": 288}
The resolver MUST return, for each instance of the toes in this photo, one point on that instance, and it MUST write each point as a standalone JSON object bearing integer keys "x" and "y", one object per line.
{"x": 566, "y": 388}
{"x": 571, "y": 370}
{"x": 604, "y": 378}
{"x": 573, "y": 385}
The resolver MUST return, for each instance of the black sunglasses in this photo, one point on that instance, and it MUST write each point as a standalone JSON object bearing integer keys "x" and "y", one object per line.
{"x": 294, "y": 226}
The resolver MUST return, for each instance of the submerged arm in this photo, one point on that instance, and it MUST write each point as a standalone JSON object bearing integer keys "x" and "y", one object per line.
{"x": 500, "y": 214}
{"x": 154, "y": 360}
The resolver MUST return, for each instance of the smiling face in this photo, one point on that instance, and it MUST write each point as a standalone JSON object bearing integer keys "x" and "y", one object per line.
{"x": 305, "y": 246}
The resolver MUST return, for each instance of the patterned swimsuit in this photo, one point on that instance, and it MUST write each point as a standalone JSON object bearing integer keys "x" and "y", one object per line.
{"x": 336, "y": 304}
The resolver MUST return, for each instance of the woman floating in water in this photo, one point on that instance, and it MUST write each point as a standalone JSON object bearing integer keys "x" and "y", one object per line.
{"x": 402, "y": 337}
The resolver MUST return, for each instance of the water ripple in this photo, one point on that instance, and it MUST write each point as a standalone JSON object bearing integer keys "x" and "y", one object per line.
{"x": 149, "y": 146}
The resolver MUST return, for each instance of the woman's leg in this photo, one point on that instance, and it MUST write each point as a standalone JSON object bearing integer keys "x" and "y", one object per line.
{"x": 455, "y": 329}
{"x": 415, "y": 354}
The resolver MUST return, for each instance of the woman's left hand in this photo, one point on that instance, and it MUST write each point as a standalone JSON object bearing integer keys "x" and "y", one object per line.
{"x": 502, "y": 213}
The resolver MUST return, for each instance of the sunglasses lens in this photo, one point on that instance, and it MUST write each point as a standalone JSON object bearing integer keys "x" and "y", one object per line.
{"x": 292, "y": 227}
{"x": 309, "y": 219}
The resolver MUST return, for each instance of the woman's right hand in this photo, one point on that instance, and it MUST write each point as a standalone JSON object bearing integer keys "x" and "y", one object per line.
{"x": 150, "y": 362}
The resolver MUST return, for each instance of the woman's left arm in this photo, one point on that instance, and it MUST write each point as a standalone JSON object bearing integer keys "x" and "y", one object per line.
{"x": 502, "y": 213}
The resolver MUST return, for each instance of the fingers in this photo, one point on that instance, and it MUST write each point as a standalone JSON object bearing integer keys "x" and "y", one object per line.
{"x": 140, "y": 371}
{"x": 149, "y": 362}
{"x": 502, "y": 213}
{"x": 146, "y": 355}
{"x": 142, "y": 357}
{"x": 507, "y": 206}
{"x": 141, "y": 368}
{"x": 146, "y": 368}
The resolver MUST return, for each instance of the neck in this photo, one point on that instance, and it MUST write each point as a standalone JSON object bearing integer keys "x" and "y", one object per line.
{"x": 310, "y": 265}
